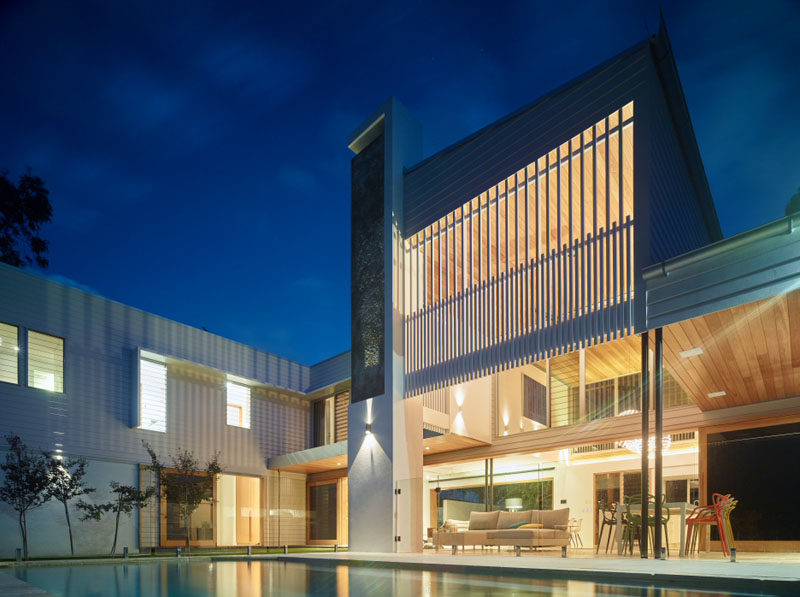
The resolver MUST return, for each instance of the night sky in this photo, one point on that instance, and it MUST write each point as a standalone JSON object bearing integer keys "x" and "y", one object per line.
{"x": 196, "y": 152}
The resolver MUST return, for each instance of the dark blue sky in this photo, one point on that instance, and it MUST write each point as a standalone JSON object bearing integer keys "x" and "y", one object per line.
{"x": 196, "y": 152}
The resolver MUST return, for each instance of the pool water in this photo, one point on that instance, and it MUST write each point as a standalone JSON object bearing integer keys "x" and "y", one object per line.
{"x": 274, "y": 577}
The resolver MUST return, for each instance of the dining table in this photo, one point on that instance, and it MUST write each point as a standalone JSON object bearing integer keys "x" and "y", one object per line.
{"x": 675, "y": 508}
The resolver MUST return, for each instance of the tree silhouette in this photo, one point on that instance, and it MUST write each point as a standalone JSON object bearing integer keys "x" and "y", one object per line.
{"x": 24, "y": 207}
{"x": 793, "y": 206}
{"x": 127, "y": 498}
{"x": 25, "y": 483}
{"x": 185, "y": 484}
{"x": 66, "y": 483}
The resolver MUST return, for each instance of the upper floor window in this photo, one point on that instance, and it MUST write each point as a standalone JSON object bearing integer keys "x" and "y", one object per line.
{"x": 45, "y": 362}
{"x": 152, "y": 395}
{"x": 238, "y": 405}
{"x": 9, "y": 353}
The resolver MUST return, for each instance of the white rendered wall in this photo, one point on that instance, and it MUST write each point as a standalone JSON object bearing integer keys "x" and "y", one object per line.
{"x": 47, "y": 526}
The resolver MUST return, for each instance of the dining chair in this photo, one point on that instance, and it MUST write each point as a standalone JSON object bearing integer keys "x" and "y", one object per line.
{"x": 609, "y": 519}
{"x": 574, "y": 530}
{"x": 716, "y": 514}
{"x": 651, "y": 521}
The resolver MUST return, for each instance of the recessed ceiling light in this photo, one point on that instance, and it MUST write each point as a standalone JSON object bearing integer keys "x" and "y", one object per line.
{"x": 692, "y": 352}
{"x": 717, "y": 394}
{"x": 427, "y": 447}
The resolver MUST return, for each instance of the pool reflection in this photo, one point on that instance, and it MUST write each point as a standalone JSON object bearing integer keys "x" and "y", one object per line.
{"x": 271, "y": 577}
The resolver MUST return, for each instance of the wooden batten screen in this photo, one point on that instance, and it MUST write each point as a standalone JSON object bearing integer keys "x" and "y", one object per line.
{"x": 340, "y": 416}
{"x": 537, "y": 265}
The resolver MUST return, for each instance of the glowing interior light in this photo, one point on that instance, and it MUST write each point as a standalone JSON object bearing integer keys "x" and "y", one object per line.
{"x": 635, "y": 445}
{"x": 717, "y": 394}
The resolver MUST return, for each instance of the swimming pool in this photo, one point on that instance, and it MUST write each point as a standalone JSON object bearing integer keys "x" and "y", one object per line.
{"x": 276, "y": 577}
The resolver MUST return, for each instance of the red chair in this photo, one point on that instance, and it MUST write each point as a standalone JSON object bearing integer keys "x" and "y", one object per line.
{"x": 718, "y": 513}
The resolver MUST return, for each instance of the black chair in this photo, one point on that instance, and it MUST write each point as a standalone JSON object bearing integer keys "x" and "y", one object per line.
{"x": 609, "y": 519}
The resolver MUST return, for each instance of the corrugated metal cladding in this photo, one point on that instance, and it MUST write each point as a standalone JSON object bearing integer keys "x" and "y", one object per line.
{"x": 444, "y": 182}
{"x": 330, "y": 371}
{"x": 677, "y": 222}
{"x": 93, "y": 416}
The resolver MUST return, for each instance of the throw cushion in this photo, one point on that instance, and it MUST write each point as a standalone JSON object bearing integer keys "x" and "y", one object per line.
{"x": 531, "y": 525}
{"x": 517, "y": 525}
{"x": 506, "y": 519}
{"x": 481, "y": 521}
{"x": 455, "y": 526}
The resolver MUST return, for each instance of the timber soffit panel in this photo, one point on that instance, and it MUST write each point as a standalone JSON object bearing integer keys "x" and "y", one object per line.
{"x": 737, "y": 301}
{"x": 444, "y": 181}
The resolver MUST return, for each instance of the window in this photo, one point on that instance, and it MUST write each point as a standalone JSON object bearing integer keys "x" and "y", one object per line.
{"x": 9, "y": 353}
{"x": 152, "y": 396}
{"x": 324, "y": 421}
{"x": 238, "y": 411}
{"x": 45, "y": 362}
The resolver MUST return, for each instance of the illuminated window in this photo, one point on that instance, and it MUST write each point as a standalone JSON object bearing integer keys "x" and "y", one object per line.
{"x": 45, "y": 362}
{"x": 152, "y": 396}
{"x": 9, "y": 353}
{"x": 238, "y": 406}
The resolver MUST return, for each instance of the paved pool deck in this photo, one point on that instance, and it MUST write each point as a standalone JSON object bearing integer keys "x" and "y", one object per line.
{"x": 767, "y": 573}
{"x": 779, "y": 573}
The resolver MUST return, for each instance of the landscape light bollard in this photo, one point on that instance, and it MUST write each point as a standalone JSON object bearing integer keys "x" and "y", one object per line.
{"x": 178, "y": 551}
{"x": 249, "y": 551}
{"x": 335, "y": 548}
{"x": 663, "y": 553}
{"x": 125, "y": 552}
{"x": 19, "y": 554}
{"x": 152, "y": 551}
{"x": 563, "y": 551}
{"x": 285, "y": 549}
{"x": 733, "y": 554}
{"x": 517, "y": 550}
{"x": 455, "y": 549}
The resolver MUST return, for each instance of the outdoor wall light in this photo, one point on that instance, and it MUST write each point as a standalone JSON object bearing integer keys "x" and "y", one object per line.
{"x": 369, "y": 428}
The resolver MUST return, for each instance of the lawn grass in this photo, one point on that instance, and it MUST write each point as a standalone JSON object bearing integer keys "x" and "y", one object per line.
{"x": 196, "y": 551}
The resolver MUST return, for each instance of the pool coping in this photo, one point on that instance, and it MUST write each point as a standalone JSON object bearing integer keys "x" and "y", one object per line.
{"x": 742, "y": 584}
{"x": 580, "y": 569}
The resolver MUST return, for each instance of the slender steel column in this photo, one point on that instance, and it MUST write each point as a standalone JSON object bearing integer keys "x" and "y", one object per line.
{"x": 486, "y": 485}
{"x": 659, "y": 408}
{"x": 491, "y": 483}
{"x": 645, "y": 441}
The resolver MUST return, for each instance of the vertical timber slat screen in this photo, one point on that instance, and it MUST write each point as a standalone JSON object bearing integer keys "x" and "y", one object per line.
{"x": 537, "y": 265}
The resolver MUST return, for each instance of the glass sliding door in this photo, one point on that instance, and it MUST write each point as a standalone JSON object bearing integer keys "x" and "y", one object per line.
{"x": 200, "y": 524}
{"x": 238, "y": 510}
{"x": 327, "y": 512}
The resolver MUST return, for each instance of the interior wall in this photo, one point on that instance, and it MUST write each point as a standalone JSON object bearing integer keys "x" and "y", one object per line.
{"x": 226, "y": 510}
{"x": 509, "y": 399}
{"x": 471, "y": 410}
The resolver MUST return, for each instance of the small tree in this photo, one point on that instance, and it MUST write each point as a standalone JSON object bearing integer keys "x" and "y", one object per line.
{"x": 25, "y": 483}
{"x": 66, "y": 483}
{"x": 127, "y": 499}
{"x": 794, "y": 204}
{"x": 186, "y": 485}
